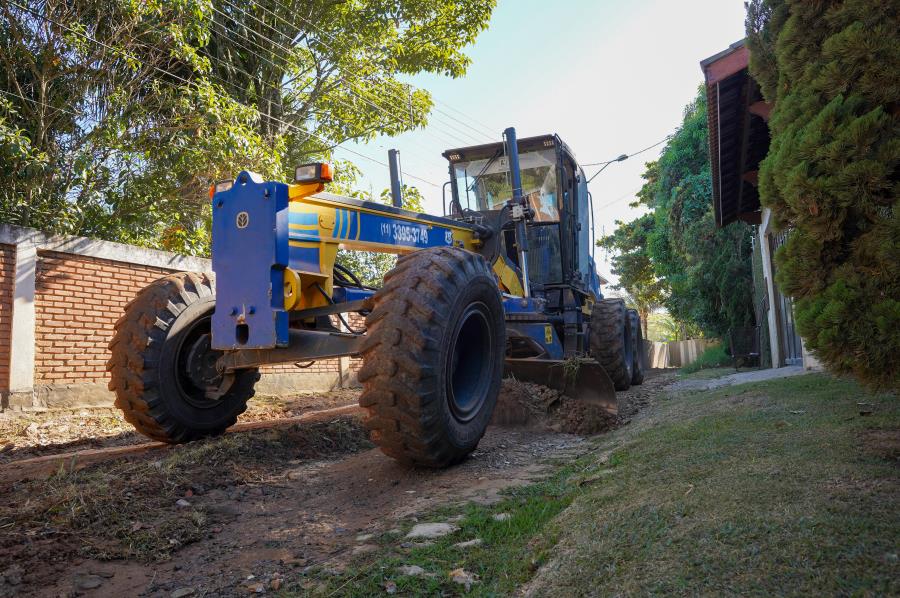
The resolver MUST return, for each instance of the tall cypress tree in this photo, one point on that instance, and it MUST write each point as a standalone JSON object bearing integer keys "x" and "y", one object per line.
{"x": 832, "y": 70}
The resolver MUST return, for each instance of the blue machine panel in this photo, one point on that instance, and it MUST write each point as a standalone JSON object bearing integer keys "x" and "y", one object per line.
{"x": 249, "y": 254}
{"x": 366, "y": 227}
{"x": 542, "y": 333}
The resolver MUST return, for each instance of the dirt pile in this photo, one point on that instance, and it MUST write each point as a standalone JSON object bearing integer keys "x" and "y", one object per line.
{"x": 528, "y": 404}
{"x": 532, "y": 405}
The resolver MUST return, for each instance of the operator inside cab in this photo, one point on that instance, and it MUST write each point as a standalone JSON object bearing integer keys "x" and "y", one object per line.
{"x": 485, "y": 184}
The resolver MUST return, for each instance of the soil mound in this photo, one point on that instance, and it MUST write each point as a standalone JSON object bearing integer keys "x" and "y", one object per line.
{"x": 528, "y": 404}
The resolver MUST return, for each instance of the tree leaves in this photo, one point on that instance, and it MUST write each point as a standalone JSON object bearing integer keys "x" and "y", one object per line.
{"x": 117, "y": 115}
{"x": 675, "y": 254}
{"x": 831, "y": 174}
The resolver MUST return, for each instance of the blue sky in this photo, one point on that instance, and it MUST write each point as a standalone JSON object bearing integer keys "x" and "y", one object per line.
{"x": 608, "y": 77}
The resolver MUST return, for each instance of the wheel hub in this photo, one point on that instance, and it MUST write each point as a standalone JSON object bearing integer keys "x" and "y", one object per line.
{"x": 202, "y": 371}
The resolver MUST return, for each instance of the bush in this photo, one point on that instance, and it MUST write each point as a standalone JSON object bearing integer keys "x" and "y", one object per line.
{"x": 831, "y": 174}
{"x": 713, "y": 357}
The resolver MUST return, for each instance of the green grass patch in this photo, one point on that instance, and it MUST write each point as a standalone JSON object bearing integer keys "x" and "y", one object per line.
{"x": 511, "y": 551}
{"x": 713, "y": 356}
{"x": 779, "y": 487}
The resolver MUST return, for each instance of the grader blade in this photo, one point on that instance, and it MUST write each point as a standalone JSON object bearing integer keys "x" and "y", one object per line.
{"x": 582, "y": 379}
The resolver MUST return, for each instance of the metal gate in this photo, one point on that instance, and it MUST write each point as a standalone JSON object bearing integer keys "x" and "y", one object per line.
{"x": 789, "y": 340}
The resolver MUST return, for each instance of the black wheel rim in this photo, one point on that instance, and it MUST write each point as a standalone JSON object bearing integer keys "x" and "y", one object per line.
{"x": 196, "y": 376}
{"x": 470, "y": 362}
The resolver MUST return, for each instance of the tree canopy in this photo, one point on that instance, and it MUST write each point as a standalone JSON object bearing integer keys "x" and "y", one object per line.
{"x": 675, "y": 253}
{"x": 832, "y": 71}
{"x": 632, "y": 263}
{"x": 115, "y": 116}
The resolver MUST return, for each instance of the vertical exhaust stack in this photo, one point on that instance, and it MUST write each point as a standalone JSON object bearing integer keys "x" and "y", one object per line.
{"x": 517, "y": 206}
{"x": 396, "y": 189}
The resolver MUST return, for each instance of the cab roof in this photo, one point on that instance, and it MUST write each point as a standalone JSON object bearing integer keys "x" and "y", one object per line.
{"x": 487, "y": 150}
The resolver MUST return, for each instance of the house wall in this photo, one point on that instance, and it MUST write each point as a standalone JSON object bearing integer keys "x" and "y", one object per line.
{"x": 774, "y": 324}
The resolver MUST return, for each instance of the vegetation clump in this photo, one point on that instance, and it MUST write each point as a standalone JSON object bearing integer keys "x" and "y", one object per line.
{"x": 713, "y": 356}
{"x": 116, "y": 116}
{"x": 831, "y": 175}
{"x": 675, "y": 255}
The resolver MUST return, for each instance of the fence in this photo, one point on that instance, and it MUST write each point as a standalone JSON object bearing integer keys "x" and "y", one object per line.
{"x": 675, "y": 354}
{"x": 59, "y": 300}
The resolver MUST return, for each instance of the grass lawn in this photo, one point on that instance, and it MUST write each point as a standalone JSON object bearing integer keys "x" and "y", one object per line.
{"x": 780, "y": 487}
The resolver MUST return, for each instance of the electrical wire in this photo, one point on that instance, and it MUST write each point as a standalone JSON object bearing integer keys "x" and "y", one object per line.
{"x": 637, "y": 153}
{"x": 334, "y": 40}
{"x": 353, "y": 91}
{"x": 307, "y": 134}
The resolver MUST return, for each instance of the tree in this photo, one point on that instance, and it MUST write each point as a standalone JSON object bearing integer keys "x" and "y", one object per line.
{"x": 701, "y": 273}
{"x": 115, "y": 116}
{"x": 632, "y": 264}
{"x": 831, "y": 174}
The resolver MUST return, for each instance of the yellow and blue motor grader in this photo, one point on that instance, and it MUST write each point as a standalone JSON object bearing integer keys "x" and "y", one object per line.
{"x": 503, "y": 282}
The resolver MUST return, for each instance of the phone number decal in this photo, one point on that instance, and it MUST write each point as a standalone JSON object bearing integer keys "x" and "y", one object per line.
{"x": 405, "y": 233}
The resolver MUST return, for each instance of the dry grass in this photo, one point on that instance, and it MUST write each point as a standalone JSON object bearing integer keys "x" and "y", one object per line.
{"x": 126, "y": 508}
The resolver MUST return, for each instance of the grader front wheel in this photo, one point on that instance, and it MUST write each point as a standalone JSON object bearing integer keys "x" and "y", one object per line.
{"x": 163, "y": 369}
{"x": 433, "y": 357}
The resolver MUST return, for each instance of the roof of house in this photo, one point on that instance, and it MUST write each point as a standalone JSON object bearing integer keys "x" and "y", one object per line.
{"x": 738, "y": 133}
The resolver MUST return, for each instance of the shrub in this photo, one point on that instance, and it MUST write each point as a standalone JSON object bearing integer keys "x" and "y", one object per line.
{"x": 831, "y": 175}
{"x": 713, "y": 357}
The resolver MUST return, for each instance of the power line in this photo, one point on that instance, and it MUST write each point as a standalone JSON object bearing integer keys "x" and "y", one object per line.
{"x": 628, "y": 195}
{"x": 637, "y": 153}
{"x": 45, "y": 105}
{"x": 307, "y": 134}
{"x": 463, "y": 114}
{"x": 354, "y": 91}
{"x": 357, "y": 92}
{"x": 334, "y": 40}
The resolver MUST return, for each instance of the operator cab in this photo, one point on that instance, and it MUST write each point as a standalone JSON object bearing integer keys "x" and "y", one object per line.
{"x": 555, "y": 190}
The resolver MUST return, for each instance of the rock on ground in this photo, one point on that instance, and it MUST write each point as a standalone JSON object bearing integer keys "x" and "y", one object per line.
{"x": 431, "y": 530}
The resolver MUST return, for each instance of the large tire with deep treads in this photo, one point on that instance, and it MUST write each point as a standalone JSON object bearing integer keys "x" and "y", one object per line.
{"x": 163, "y": 369}
{"x": 433, "y": 357}
{"x": 637, "y": 336}
{"x": 611, "y": 341}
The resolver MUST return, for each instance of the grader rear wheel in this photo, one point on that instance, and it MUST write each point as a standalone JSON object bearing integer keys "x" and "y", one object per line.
{"x": 637, "y": 335}
{"x": 433, "y": 357}
{"x": 611, "y": 341}
{"x": 163, "y": 369}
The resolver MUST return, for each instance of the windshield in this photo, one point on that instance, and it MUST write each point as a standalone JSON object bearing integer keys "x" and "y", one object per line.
{"x": 485, "y": 184}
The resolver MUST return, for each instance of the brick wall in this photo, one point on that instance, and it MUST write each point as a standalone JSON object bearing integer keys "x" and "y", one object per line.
{"x": 7, "y": 275}
{"x": 357, "y": 322}
{"x": 79, "y": 288}
{"x": 77, "y": 301}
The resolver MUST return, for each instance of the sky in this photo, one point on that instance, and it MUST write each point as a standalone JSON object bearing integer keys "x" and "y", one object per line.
{"x": 609, "y": 77}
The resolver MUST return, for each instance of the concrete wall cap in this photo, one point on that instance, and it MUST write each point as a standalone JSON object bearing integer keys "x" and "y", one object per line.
{"x": 107, "y": 250}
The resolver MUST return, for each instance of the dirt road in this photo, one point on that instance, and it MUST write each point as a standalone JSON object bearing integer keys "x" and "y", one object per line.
{"x": 253, "y": 511}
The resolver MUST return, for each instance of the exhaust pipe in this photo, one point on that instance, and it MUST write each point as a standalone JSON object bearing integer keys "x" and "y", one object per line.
{"x": 517, "y": 207}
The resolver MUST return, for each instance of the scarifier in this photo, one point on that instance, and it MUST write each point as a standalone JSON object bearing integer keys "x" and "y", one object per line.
{"x": 505, "y": 280}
